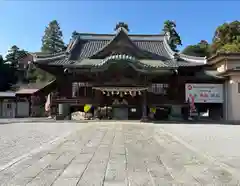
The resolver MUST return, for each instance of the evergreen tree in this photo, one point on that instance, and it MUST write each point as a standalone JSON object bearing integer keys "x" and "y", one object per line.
{"x": 6, "y": 75}
{"x": 12, "y": 59}
{"x": 201, "y": 49}
{"x": 175, "y": 40}
{"x": 52, "y": 41}
{"x": 14, "y": 55}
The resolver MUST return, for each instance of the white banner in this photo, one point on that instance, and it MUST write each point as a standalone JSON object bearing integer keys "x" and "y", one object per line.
{"x": 204, "y": 93}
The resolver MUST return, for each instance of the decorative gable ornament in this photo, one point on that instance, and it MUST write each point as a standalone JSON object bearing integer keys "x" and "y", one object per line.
{"x": 122, "y": 26}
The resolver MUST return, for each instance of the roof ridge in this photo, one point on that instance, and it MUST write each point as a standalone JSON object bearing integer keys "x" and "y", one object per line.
{"x": 113, "y": 34}
{"x": 111, "y": 41}
{"x": 133, "y": 37}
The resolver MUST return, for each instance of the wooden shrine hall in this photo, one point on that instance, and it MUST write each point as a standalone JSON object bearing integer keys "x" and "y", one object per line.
{"x": 134, "y": 74}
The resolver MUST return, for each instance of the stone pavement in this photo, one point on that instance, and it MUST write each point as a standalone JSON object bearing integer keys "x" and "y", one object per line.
{"x": 17, "y": 139}
{"x": 118, "y": 154}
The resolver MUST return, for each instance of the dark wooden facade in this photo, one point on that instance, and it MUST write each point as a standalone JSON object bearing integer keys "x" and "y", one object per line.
{"x": 123, "y": 61}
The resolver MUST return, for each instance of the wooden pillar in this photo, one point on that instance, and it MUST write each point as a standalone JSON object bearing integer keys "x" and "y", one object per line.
{"x": 144, "y": 106}
{"x": 64, "y": 111}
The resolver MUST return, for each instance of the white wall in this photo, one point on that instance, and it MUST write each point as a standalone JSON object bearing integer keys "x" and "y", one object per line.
{"x": 233, "y": 99}
{"x": 8, "y": 109}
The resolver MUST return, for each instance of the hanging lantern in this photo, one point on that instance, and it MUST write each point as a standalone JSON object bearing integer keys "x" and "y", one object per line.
{"x": 117, "y": 92}
{"x": 139, "y": 93}
{"x": 112, "y": 92}
{"x": 126, "y": 93}
{"x": 108, "y": 94}
{"x": 104, "y": 92}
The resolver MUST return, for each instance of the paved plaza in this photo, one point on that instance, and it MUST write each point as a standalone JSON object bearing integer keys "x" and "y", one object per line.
{"x": 118, "y": 154}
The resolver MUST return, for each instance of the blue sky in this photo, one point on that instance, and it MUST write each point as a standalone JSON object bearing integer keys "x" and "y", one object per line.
{"x": 23, "y": 22}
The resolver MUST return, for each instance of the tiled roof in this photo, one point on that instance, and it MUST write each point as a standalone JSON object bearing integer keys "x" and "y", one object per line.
{"x": 87, "y": 45}
{"x": 31, "y": 86}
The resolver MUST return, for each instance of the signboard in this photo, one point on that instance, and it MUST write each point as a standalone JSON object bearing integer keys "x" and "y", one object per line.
{"x": 204, "y": 93}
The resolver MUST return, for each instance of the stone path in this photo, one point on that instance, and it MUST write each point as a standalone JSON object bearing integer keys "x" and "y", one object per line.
{"x": 117, "y": 154}
{"x": 18, "y": 139}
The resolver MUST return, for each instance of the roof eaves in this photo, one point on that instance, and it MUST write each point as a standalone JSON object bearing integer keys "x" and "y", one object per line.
{"x": 7, "y": 94}
{"x": 187, "y": 58}
{"x": 194, "y": 59}
{"x": 168, "y": 49}
{"x": 47, "y": 59}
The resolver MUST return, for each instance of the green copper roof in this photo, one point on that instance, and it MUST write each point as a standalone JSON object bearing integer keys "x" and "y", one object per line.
{"x": 121, "y": 59}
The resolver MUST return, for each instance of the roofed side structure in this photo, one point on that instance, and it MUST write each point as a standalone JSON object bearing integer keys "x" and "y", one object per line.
{"x": 98, "y": 50}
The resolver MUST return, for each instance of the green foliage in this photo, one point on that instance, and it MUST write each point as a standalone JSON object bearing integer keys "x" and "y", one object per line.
{"x": 175, "y": 40}
{"x": 12, "y": 59}
{"x": 6, "y": 75}
{"x": 230, "y": 48}
{"x": 227, "y": 38}
{"x": 14, "y": 55}
{"x": 43, "y": 76}
{"x": 201, "y": 49}
{"x": 52, "y": 41}
{"x": 35, "y": 74}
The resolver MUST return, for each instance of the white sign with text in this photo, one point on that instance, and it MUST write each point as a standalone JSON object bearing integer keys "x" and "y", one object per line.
{"x": 204, "y": 93}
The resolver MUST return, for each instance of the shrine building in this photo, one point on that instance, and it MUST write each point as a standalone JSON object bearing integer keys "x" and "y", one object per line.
{"x": 135, "y": 74}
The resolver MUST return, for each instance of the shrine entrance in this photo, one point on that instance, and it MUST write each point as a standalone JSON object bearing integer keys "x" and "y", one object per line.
{"x": 125, "y": 102}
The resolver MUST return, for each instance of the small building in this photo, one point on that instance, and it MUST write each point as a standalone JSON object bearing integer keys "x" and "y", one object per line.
{"x": 31, "y": 98}
{"x": 28, "y": 100}
{"x": 7, "y": 104}
{"x": 134, "y": 74}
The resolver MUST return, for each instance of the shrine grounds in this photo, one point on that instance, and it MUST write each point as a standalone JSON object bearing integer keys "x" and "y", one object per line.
{"x": 118, "y": 153}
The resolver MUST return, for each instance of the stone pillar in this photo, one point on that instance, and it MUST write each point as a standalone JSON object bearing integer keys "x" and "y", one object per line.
{"x": 144, "y": 106}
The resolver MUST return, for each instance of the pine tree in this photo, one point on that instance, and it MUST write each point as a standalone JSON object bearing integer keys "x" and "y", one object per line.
{"x": 52, "y": 41}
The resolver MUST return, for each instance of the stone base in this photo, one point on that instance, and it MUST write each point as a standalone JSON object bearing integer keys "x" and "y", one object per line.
{"x": 59, "y": 117}
{"x": 144, "y": 119}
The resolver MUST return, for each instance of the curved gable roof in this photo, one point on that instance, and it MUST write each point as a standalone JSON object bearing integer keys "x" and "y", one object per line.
{"x": 154, "y": 47}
